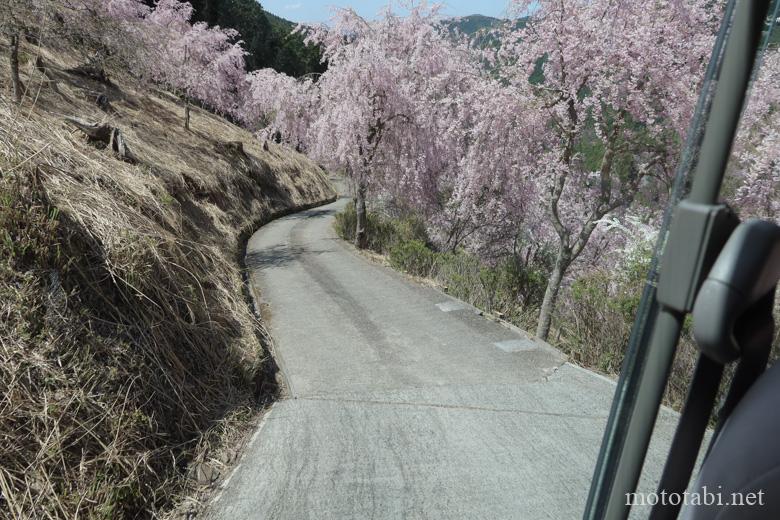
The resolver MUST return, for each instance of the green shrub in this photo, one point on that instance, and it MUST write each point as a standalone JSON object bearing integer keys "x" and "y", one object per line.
{"x": 383, "y": 234}
{"x": 345, "y": 222}
{"x": 596, "y": 318}
{"x": 594, "y": 322}
{"x": 508, "y": 287}
{"x": 414, "y": 257}
{"x": 459, "y": 272}
{"x": 599, "y": 309}
{"x": 411, "y": 228}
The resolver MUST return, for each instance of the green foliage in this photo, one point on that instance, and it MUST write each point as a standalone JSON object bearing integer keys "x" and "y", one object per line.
{"x": 413, "y": 256}
{"x": 509, "y": 287}
{"x": 28, "y": 229}
{"x": 595, "y": 322}
{"x": 266, "y": 37}
{"x": 411, "y": 228}
{"x": 598, "y": 315}
{"x": 600, "y": 310}
{"x": 383, "y": 234}
{"x": 345, "y": 222}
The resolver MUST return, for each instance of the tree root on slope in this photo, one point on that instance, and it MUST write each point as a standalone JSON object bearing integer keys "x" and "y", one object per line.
{"x": 104, "y": 133}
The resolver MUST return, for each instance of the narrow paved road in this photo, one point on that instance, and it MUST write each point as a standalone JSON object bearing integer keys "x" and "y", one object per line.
{"x": 403, "y": 402}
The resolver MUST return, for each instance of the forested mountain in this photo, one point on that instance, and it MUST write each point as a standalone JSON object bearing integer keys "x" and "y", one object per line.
{"x": 474, "y": 23}
{"x": 480, "y": 29}
{"x": 266, "y": 37}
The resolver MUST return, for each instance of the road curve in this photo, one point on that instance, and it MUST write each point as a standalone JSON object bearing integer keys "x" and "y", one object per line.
{"x": 403, "y": 403}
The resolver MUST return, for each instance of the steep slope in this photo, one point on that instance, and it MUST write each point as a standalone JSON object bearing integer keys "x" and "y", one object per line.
{"x": 129, "y": 358}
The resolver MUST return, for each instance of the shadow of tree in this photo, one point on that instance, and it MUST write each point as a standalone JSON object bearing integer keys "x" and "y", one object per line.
{"x": 278, "y": 256}
{"x": 312, "y": 213}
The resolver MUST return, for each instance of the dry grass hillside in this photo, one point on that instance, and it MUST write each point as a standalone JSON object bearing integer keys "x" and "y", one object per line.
{"x": 129, "y": 358}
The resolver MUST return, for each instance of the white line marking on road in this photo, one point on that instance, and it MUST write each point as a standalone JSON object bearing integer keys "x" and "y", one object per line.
{"x": 516, "y": 345}
{"x": 450, "y": 306}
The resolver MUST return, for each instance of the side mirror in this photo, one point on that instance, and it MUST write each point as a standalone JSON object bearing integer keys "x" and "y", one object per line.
{"x": 744, "y": 274}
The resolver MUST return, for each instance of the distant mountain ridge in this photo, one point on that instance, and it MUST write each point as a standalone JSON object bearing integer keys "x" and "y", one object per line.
{"x": 473, "y": 23}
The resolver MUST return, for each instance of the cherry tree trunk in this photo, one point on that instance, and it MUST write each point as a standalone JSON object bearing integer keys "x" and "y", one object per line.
{"x": 562, "y": 262}
{"x": 361, "y": 234}
{"x": 15, "y": 79}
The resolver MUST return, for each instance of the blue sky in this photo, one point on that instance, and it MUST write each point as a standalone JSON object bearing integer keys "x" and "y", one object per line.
{"x": 319, "y": 10}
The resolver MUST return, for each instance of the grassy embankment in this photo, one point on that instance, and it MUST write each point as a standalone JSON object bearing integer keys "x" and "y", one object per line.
{"x": 130, "y": 362}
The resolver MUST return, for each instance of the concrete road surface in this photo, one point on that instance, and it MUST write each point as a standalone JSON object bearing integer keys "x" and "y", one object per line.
{"x": 404, "y": 403}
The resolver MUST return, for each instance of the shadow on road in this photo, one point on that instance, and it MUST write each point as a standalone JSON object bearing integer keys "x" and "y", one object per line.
{"x": 278, "y": 256}
{"x": 312, "y": 213}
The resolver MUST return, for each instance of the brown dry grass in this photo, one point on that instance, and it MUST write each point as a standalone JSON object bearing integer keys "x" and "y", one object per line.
{"x": 128, "y": 355}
